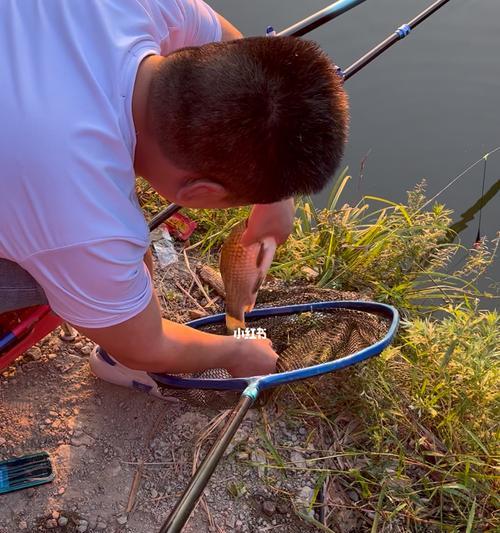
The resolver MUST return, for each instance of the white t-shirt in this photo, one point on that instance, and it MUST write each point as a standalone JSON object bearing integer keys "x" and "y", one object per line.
{"x": 68, "y": 210}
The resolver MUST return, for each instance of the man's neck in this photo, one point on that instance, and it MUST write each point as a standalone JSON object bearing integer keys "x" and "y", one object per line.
{"x": 140, "y": 100}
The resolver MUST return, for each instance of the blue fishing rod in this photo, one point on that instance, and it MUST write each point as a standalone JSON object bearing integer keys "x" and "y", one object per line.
{"x": 399, "y": 34}
{"x": 251, "y": 387}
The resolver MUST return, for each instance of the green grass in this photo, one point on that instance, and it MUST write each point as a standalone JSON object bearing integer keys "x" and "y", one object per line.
{"x": 399, "y": 253}
{"x": 414, "y": 434}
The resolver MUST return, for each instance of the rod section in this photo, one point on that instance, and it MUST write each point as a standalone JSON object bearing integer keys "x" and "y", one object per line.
{"x": 396, "y": 36}
{"x": 319, "y": 18}
{"x": 194, "y": 490}
{"x": 163, "y": 215}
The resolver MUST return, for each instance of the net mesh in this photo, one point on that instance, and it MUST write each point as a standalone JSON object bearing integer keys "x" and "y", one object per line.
{"x": 301, "y": 340}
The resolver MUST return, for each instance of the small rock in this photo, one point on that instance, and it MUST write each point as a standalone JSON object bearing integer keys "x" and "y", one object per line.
{"x": 122, "y": 520}
{"x": 63, "y": 521}
{"x": 86, "y": 350}
{"x": 35, "y": 352}
{"x": 2, "y": 441}
{"x": 52, "y": 356}
{"x": 269, "y": 507}
{"x": 62, "y": 490}
{"x": 55, "y": 515}
{"x": 258, "y": 456}
{"x": 51, "y": 523}
{"x": 154, "y": 493}
{"x": 23, "y": 525}
{"x": 283, "y": 508}
{"x": 101, "y": 525}
{"x": 82, "y": 440}
{"x": 82, "y": 526}
{"x": 309, "y": 273}
{"x": 54, "y": 414}
{"x": 298, "y": 459}
{"x": 353, "y": 495}
{"x": 304, "y": 498}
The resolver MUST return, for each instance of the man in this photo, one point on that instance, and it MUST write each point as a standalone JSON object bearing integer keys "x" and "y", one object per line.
{"x": 96, "y": 92}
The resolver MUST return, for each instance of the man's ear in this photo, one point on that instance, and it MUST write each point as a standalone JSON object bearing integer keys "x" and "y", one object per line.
{"x": 201, "y": 190}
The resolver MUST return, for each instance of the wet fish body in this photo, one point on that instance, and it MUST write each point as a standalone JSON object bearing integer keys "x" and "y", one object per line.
{"x": 243, "y": 269}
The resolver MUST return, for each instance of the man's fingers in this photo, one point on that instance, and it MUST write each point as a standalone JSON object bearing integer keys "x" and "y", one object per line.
{"x": 248, "y": 238}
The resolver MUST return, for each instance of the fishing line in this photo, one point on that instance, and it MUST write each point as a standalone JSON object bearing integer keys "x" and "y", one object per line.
{"x": 478, "y": 237}
{"x": 454, "y": 180}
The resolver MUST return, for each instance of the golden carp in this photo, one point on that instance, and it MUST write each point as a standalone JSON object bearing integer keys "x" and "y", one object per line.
{"x": 243, "y": 269}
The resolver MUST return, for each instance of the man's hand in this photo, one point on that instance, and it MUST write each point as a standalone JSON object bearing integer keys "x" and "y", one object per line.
{"x": 148, "y": 342}
{"x": 253, "y": 357}
{"x": 270, "y": 220}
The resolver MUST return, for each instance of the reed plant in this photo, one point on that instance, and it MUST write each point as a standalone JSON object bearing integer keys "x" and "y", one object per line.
{"x": 408, "y": 441}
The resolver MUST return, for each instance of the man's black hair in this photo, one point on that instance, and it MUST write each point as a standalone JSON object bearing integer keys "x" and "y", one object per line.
{"x": 265, "y": 116}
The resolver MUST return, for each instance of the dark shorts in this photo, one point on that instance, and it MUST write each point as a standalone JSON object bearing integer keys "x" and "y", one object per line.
{"x": 18, "y": 288}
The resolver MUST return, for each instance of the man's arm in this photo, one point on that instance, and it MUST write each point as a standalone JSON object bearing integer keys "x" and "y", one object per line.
{"x": 148, "y": 260}
{"x": 229, "y": 32}
{"x": 148, "y": 342}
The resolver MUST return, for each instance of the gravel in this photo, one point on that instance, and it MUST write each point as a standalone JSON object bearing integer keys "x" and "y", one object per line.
{"x": 110, "y": 445}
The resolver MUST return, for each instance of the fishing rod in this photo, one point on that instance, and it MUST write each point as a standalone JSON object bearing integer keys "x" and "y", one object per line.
{"x": 319, "y": 18}
{"x": 314, "y": 21}
{"x": 185, "y": 505}
{"x": 399, "y": 34}
{"x": 297, "y": 30}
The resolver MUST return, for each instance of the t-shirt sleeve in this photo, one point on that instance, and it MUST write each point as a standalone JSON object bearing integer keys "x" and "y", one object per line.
{"x": 94, "y": 285}
{"x": 197, "y": 24}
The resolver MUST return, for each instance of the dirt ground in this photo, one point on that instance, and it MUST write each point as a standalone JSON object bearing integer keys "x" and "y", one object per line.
{"x": 122, "y": 458}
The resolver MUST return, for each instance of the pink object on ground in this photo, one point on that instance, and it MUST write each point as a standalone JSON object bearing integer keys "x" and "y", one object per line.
{"x": 180, "y": 226}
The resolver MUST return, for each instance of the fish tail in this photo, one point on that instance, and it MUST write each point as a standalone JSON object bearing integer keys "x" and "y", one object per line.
{"x": 232, "y": 324}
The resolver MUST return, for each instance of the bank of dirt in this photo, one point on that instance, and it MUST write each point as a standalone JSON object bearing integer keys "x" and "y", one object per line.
{"x": 122, "y": 458}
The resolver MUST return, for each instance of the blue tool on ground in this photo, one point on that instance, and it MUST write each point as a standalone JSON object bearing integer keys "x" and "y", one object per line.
{"x": 24, "y": 472}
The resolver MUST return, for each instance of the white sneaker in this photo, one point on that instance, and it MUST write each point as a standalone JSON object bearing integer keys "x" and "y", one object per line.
{"x": 110, "y": 370}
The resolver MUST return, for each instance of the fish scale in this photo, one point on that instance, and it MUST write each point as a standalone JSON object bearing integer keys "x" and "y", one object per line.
{"x": 243, "y": 269}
